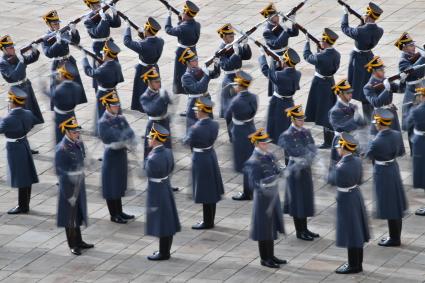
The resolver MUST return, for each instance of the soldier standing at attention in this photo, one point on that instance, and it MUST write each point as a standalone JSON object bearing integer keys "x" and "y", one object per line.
{"x": 206, "y": 176}
{"x": 162, "y": 219}
{"x": 366, "y": 37}
{"x": 299, "y": 195}
{"x": 352, "y": 229}
{"x": 56, "y": 47}
{"x": 241, "y": 112}
{"x": 72, "y": 202}
{"x": 321, "y": 98}
{"x": 118, "y": 137}
{"x": 276, "y": 35}
{"x": 267, "y": 219}
{"x": 21, "y": 169}
{"x": 149, "y": 49}
{"x": 383, "y": 150}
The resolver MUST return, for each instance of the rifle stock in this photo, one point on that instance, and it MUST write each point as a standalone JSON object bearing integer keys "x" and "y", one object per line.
{"x": 168, "y": 5}
{"x": 380, "y": 86}
{"x": 296, "y": 8}
{"x": 352, "y": 11}
{"x": 132, "y": 24}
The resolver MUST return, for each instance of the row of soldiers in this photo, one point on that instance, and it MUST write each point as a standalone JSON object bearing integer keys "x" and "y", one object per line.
{"x": 328, "y": 105}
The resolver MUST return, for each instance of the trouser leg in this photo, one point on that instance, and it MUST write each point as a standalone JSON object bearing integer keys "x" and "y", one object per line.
{"x": 78, "y": 237}
{"x": 208, "y": 214}
{"x": 409, "y": 137}
{"x": 352, "y": 257}
{"x": 164, "y": 245}
{"x": 118, "y": 205}
{"x": 71, "y": 237}
{"x": 23, "y": 200}
{"x": 246, "y": 188}
{"x": 111, "y": 207}
{"x": 297, "y": 225}
{"x": 262, "y": 247}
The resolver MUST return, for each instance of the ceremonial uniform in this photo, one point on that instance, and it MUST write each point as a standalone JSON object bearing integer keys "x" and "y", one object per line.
{"x": 21, "y": 172}
{"x": 162, "y": 219}
{"x": 56, "y": 47}
{"x": 267, "y": 218}
{"x": 366, "y": 37}
{"x": 149, "y": 49}
{"x": 352, "y": 229}
{"x": 117, "y": 136}
{"x": 321, "y": 98}
{"x": 13, "y": 71}
{"x": 207, "y": 185}
{"x": 276, "y": 37}
{"x": 286, "y": 82}
{"x": 187, "y": 33}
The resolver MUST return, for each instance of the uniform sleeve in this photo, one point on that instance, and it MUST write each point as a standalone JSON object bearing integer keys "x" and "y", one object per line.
{"x": 215, "y": 73}
{"x": 405, "y": 64}
{"x": 253, "y": 173}
{"x": 96, "y": 30}
{"x": 230, "y": 63}
{"x": 340, "y": 123}
{"x": 246, "y": 52}
{"x": 193, "y": 86}
{"x": 51, "y": 50}
{"x": 14, "y": 73}
{"x": 75, "y": 37}
{"x": 376, "y": 100}
{"x": 114, "y": 21}
{"x": 273, "y": 41}
{"x": 2, "y": 125}
{"x": 308, "y": 55}
{"x": 91, "y": 72}
{"x": 32, "y": 57}
{"x": 347, "y": 30}
{"x": 170, "y": 30}
{"x": 371, "y": 149}
{"x": 129, "y": 43}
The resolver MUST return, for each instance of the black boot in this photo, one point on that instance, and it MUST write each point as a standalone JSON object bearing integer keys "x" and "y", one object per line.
{"x": 23, "y": 202}
{"x": 164, "y": 249}
{"x": 114, "y": 211}
{"x": 246, "y": 194}
{"x": 328, "y": 136}
{"x": 393, "y": 240}
{"x": 80, "y": 243}
{"x": 352, "y": 265}
{"x": 124, "y": 215}
{"x": 71, "y": 236}
{"x": 275, "y": 259}
{"x": 420, "y": 211}
{"x": 208, "y": 221}
{"x": 302, "y": 234}
{"x": 360, "y": 259}
{"x": 266, "y": 254}
{"x": 312, "y": 234}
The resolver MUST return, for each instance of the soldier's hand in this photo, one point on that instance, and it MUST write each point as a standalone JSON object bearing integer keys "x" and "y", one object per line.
{"x": 170, "y": 12}
{"x": 19, "y": 56}
{"x": 113, "y": 9}
{"x": 345, "y": 9}
{"x": 72, "y": 27}
{"x": 102, "y": 14}
{"x": 205, "y": 70}
{"x": 58, "y": 37}
{"x": 236, "y": 48}
{"x": 387, "y": 85}
{"x": 244, "y": 41}
{"x": 292, "y": 17}
{"x": 261, "y": 50}
{"x": 34, "y": 47}
{"x": 284, "y": 26}
{"x": 307, "y": 38}
{"x": 216, "y": 61}
{"x": 127, "y": 24}
{"x": 403, "y": 77}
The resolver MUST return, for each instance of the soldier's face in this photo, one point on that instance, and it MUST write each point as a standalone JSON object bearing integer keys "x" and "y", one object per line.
{"x": 155, "y": 85}
{"x": 228, "y": 38}
{"x": 411, "y": 49}
{"x": 275, "y": 19}
{"x": 264, "y": 146}
{"x": 54, "y": 26}
{"x": 74, "y": 135}
{"x": 299, "y": 122}
{"x": 9, "y": 50}
{"x": 340, "y": 151}
{"x": 115, "y": 109}
{"x": 193, "y": 64}
{"x": 347, "y": 96}
{"x": 380, "y": 73}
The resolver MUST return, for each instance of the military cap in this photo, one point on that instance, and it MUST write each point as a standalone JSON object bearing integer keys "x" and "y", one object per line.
{"x": 110, "y": 99}
{"x": 242, "y": 78}
{"x": 225, "y": 29}
{"x": 375, "y": 64}
{"x": 51, "y": 17}
{"x": 291, "y": 57}
{"x": 383, "y": 117}
{"x": 204, "y": 104}
{"x": 16, "y": 95}
{"x": 259, "y": 135}
{"x": 347, "y": 142}
{"x": 158, "y": 133}
{"x": 420, "y": 90}
{"x": 329, "y": 36}
{"x": 295, "y": 112}
{"x": 151, "y": 75}
{"x": 187, "y": 55}
{"x": 90, "y": 2}
{"x": 268, "y": 11}
{"x": 70, "y": 124}
{"x": 6, "y": 41}
{"x": 111, "y": 49}
{"x": 152, "y": 26}
{"x": 190, "y": 9}
{"x": 403, "y": 40}
{"x": 67, "y": 70}
{"x": 373, "y": 11}
{"x": 343, "y": 86}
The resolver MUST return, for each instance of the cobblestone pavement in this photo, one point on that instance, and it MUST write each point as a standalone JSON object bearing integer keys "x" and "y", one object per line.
{"x": 32, "y": 248}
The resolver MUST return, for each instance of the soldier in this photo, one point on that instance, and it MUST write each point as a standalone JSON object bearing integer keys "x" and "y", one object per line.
{"x": 230, "y": 63}
{"x": 383, "y": 98}
{"x": 118, "y": 137}
{"x": 99, "y": 26}
{"x": 108, "y": 75}
{"x": 162, "y": 220}
{"x": 241, "y": 111}
{"x": 187, "y": 32}
{"x": 58, "y": 50}
{"x": 286, "y": 81}
{"x": 13, "y": 66}
{"x": 277, "y": 34}
{"x": 352, "y": 229}
{"x": 149, "y": 49}
{"x": 267, "y": 219}
{"x": 299, "y": 195}
{"x": 409, "y": 58}
{"x": 383, "y": 150}
{"x": 206, "y": 177}
{"x": 321, "y": 98}
{"x": 21, "y": 170}
{"x": 416, "y": 120}
{"x": 366, "y": 37}
{"x": 72, "y": 203}
{"x": 195, "y": 82}
{"x": 65, "y": 96}
{"x": 343, "y": 117}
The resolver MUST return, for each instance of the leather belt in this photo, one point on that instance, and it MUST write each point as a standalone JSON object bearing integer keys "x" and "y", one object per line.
{"x": 280, "y": 49}
{"x": 197, "y": 149}
{"x": 377, "y": 162}
{"x": 414, "y": 82}
{"x": 360, "y": 51}
{"x": 197, "y": 95}
{"x": 75, "y": 173}
{"x": 18, "y": 82}
{"x": 157, "y": 180}
{"x": 322, "y": 76}
{"x": 63, "y": 112}
{"x": 241, "y": 122}
{"x": 144, "y": 64}
{"x": 61, "y": 57}
{"x": 418, "y": 133}
{"x": 388, "y": 106}
{"x": 100, "y": 39}
{"x": 346, "y": 190}
{"x": 157, "y": 118}
{"x": 15, "y": 140}
{"x": 185, "y": 46}
{"x": 281, "y": 96}
{"x": 231, "y": 72}
{"x": 104, "y": 88}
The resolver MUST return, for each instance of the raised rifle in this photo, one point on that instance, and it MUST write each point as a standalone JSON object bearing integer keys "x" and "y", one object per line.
{"x": 304, "y": 30}
{"x": 417, "y": 55}
{"x": 89, "y": 53}
{"x": 381, "y": 87}
{"x": 169, "y": 7}
{"x": 352, "y": 11}
{"x": 132, "y": 24}
{"x": 278, "y": 28}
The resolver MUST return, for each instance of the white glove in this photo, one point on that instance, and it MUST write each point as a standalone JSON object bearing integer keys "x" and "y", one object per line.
{"x": 58, "y": 37}
{"x": 20, "y": 57}
{"x": 422, "y": 52}
{"x": 345, "y": 10}
{"x": 127, "y": 24}
{"x": 292, "y": 17}
{"x": 284, "y": 26}
{"x": 34, "y": 47}
{"x": 357, "y": 115}
{"x": 216, "y": 60}
{"x": 102, "y": 15}
{"x": 261, "y": 50}
{"x": 72, "y": 27}
{"x": 113, "y": 9}
{"x": 141, "y": 30}
{"x": 205, "y": 70}
{"x": 84, "y": 53}
{"x": 236, "y": 48}
{"x": 403, "y": 77}
{"x": 244, "y": 41}
{"x": 170, "y": 12}
{"x": 387, "y": 85}
{"x": 307, "y": 39}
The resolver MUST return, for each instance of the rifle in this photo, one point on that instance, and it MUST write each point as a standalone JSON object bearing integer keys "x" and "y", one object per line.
{"x": 169, "y": 7}
{"x": 266, "y": 49}
{"x": 304, "y": 30}
{"x": 91, "y": 54}
{"x": 66, "y": 28}
{"x": 381, "y": 87}
{"x": 278, "y": 28}
{"x": 229, "y": 47}
{"x": 132, "y": 24}
{"x": 352, "y": 11}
